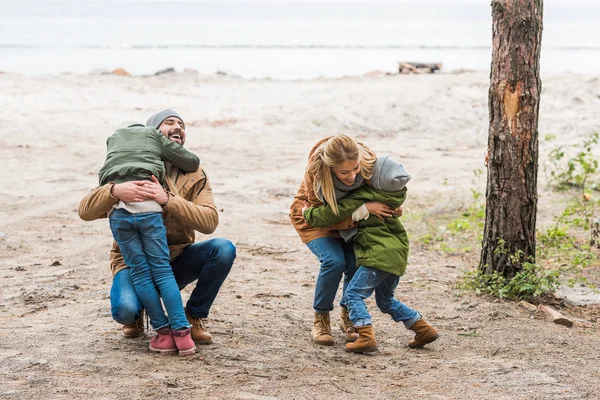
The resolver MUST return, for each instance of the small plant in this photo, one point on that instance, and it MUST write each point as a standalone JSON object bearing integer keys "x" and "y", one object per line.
{"x": 581, "y": 165}
{"x": 530, "y": 283}
{"x": 455, "y": 232}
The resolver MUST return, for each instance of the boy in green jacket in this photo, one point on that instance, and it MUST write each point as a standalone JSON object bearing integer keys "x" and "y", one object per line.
{"x": 138, "y": 152}
{"x": 381, "y": 249}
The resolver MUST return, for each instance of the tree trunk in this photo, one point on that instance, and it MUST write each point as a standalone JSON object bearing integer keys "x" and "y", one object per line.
{"x": 512, "y": 161}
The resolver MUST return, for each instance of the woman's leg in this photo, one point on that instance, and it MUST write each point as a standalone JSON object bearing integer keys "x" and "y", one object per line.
{"x": 332, "y": 254}
{"x": 350, "y": 269}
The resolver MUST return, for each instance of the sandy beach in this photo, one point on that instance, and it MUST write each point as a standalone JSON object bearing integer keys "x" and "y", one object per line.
{"x": 57, "y": 337}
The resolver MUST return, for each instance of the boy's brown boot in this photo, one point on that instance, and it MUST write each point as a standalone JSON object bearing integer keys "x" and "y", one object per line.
{"x": 199, "y": 333}
{"x": 321, "y": 330}
{"x": 425, "y": 333}
{"x": 347, "y": 327}
{"x": 365, "y": 343}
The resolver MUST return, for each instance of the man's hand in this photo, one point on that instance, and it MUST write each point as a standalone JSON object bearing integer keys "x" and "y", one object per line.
{"x": 160, "y": 195}
{"x": 135, "y": 191}
{"x": 379, "y": 210}
{"x": 132, "y": 191}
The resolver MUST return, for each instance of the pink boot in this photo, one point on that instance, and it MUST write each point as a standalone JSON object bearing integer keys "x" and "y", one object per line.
{"x": 163, "y": 342}
{"x": 184, "y": 342}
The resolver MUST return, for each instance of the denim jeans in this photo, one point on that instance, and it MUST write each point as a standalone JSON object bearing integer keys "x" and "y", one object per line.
{"x": 142, "y": 239}
{"x": 365, "y": 281}
{"x": 337, "y": 259}
{"x": 209, "y": 262}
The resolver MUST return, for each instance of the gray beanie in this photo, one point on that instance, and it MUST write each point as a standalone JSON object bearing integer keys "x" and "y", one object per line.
{"x": 389, "y": 175}
{"x": 160, "y": 116}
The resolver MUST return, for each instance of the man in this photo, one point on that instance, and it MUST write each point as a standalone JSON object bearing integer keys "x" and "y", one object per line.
{"x": 188, "y": 206}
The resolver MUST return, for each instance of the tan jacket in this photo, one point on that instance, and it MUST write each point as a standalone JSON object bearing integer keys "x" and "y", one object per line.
{"x": 191, "y": 208}
{"x": 307, "y": 194}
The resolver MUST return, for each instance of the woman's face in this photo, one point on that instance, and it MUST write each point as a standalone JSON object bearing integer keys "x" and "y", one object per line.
{"x": 347, "y": 171}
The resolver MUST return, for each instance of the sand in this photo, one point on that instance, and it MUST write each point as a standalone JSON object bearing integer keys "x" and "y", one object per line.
{"x": 58, "y": 340}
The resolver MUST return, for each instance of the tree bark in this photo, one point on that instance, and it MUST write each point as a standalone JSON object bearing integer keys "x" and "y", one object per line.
{"x": 512, "y": 160}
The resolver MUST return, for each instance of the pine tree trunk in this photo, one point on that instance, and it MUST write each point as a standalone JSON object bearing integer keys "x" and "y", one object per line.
{"x": 512, "y": 164}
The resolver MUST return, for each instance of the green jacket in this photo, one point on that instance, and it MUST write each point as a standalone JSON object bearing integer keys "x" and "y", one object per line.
{"x": 138, "y": 152}
{"x": 378, "y": 244}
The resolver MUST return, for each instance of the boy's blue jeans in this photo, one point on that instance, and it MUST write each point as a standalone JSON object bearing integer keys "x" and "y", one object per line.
{"x": 337, "y": 259}
{"x": 368, "y": 280}
{"x": 209, "y": 262}
{"x": 142, "y": 239}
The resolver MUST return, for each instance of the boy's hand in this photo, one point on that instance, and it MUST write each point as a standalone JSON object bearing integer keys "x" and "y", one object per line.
{"x": 380, "y": 210}
{"x": 305, "y": 206}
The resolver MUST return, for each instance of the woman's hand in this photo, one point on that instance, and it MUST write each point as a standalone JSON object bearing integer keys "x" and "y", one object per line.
{"x": 380, "y": 210}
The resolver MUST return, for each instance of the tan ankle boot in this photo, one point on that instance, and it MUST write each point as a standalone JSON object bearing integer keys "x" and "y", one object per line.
{"x": 321, "y": 330}
{"x": 199, "y": 333}
{"x": 134, "y": 330}
{"x": 365, "y": 343}
{"x": 425, "y": 333}
{"x": 347, "y": 327}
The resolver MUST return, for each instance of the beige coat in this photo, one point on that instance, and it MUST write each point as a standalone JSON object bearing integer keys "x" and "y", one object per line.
{"x": 191, "y": 207}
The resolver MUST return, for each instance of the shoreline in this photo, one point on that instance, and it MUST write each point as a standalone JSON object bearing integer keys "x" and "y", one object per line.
{"x": 222, "y": 75}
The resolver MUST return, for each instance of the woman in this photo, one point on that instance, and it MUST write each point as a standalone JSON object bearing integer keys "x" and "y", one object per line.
{"x": 336, "y": 164}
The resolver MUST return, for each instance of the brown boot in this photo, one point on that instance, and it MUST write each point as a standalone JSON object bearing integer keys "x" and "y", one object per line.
{"x": 347, "y": 327}
{"x": 365, "y": 343}
{"x": 199, "y": 333}
{"x": 321, "y": 330}
{"x": 134, "y": 330}
{"x": 425, "y": 333}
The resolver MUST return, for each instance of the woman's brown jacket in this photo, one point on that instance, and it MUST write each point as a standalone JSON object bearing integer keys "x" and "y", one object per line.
{"x": 307, "y": 194}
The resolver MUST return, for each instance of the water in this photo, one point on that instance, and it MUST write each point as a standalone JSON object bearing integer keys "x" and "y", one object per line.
{"x": 278, "y": 39}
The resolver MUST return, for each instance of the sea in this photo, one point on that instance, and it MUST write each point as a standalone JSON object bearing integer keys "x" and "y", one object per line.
{"x": 278, "y": 39}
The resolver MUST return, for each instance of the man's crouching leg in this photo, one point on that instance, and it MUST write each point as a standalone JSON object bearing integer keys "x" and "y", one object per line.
{"x": 209, "y": 263}
{"x": 126, "y": 307}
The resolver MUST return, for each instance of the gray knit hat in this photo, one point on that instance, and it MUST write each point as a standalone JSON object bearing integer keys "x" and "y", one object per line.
{"x": 160, "y": 116}
{"x": 389, "y": 175}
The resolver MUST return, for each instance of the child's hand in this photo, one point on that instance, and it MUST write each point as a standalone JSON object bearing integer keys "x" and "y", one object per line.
{"x": 305, "y": 206}
{"x": 398, "y": 212}
{"x": 380, "y": 210}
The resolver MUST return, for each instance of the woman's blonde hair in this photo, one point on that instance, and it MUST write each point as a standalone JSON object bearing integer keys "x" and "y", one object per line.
{"x": 332, "y": 153}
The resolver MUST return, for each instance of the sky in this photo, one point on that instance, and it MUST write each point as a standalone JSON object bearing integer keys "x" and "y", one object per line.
{"x": 546, "y": 2}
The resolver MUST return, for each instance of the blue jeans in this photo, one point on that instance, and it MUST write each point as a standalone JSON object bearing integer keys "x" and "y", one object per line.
{"x": 142, "y": 239}
{"x": 365, "y": 281}
{"x": 337, "y": 259}
{"x": 209, "y": 262}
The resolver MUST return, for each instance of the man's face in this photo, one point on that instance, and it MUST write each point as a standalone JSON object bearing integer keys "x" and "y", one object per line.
{"x": 173, "y": 129}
